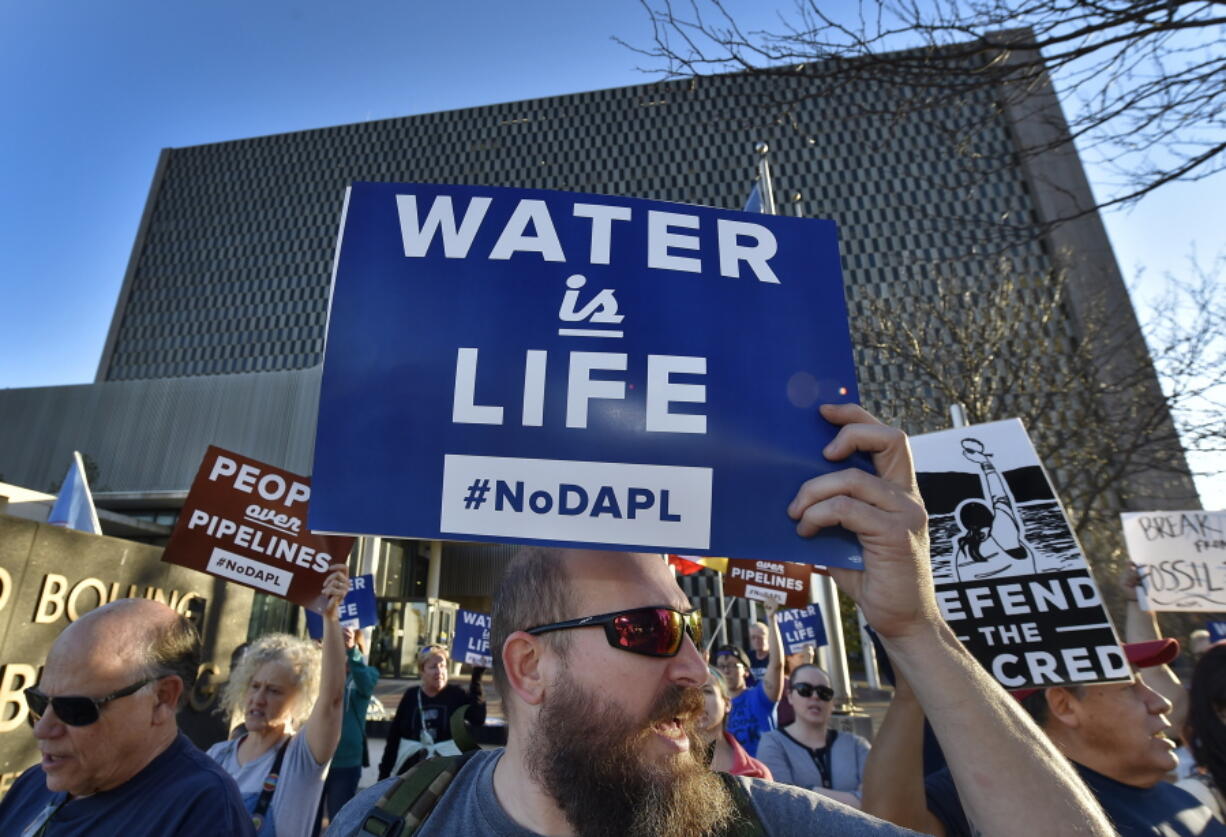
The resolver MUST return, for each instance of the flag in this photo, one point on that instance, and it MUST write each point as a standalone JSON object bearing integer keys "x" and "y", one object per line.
{"x": 754, "y": 202}
{"x": 690, "y": 564}
{"x": 74, "y": 507}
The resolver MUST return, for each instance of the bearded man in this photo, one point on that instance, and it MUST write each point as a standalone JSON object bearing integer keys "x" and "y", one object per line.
{"x": 597, "y": 662}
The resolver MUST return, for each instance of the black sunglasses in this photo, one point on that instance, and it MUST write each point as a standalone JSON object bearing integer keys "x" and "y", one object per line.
{"x": 809, "y": 690}
{"x": 76, "y": 711}
{"x": 652, "y": 631}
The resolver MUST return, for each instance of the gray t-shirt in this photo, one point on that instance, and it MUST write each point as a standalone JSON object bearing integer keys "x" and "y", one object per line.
{"x": 470, "y": 807}
{"x": 792, "y": 763}
{"x": 291, "y": 813}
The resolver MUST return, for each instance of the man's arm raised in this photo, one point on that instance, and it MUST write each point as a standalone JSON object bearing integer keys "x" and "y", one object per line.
{"x": 772, "y": 681}
{"x": 893, "y": 787}
{"x": 1011, "y": 779}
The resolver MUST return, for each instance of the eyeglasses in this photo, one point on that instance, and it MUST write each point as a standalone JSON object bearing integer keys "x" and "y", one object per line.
{"x": 651, "y": 631}
{"x": 809, "y": 690}
{"x": 76, "y": 711}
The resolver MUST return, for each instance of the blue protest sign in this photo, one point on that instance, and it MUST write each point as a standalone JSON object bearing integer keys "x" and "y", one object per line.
{"x": 515, "y": 365}
{"x": 1217, "y": 631}
{"x": 472, "y": 639}
{"x": 801, "y": 627}
{"x": 356, "y": 611}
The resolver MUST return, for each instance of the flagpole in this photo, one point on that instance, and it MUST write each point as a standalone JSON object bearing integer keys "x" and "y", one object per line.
{"x": 721, "y": 632}
{"x": 764, "y": 178}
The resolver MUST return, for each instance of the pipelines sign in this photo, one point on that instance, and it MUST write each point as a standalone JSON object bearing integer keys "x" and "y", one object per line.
{"x": 245, "y": 521}
{"x": 785, "y": 583}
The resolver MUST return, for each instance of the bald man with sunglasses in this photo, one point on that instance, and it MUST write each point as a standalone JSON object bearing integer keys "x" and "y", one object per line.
{"x": 598, "y": 666}
{"x": 113, "y": 759}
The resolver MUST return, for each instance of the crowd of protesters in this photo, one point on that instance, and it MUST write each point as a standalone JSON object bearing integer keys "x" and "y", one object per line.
{"x": 616, "y": 722}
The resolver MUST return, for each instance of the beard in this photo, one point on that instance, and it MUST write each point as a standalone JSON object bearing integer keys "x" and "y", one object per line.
{"x": 590, "y": 756}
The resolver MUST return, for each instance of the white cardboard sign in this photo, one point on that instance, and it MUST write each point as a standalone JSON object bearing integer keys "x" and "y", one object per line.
{"x": 1181, "y": 556}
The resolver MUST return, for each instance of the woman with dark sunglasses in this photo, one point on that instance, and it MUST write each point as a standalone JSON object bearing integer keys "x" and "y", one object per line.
{"x": 807, "y": 752}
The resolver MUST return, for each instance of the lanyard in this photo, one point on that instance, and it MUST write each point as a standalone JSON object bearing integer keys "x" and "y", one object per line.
{"x": 39, "y": 823}
{"x": 821, "y": 758}
{"x": 270, "y": 785}
{"x": 424, "y": 736}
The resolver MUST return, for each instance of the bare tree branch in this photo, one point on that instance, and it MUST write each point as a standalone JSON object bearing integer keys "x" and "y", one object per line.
{"x": 1143, "y": 84}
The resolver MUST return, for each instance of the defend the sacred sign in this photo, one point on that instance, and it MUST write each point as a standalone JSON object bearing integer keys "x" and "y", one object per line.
{"x": 1011, "y": 579}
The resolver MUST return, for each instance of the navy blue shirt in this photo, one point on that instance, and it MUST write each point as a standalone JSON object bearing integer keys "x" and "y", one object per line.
{"x": 1163, "y": 810}
{"x": 181, "y": 792}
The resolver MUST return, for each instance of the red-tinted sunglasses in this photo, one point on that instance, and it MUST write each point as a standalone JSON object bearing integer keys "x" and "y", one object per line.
{"x": 652, "y": 631}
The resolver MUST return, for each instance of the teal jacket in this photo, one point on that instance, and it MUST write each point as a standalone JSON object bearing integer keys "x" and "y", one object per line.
{"x": 359, "y": 686}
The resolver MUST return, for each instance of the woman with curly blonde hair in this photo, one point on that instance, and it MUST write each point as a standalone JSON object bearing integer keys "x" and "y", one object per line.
{"x": 291, "y": 698}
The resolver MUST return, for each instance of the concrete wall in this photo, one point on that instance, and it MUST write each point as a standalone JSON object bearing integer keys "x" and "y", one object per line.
{"x": 151, "y": 435}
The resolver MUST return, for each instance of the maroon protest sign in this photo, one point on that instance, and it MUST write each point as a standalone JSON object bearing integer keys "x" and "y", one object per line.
{"x": 766, "y": 581}
{"x": 246, "y": 521}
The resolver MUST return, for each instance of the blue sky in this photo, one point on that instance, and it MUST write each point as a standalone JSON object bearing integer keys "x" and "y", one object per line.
{"x": 92, "y": 91}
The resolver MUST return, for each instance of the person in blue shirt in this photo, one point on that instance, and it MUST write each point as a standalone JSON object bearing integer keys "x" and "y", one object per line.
{"x": 113, "y": 759}
{"x": 753, "y": 706}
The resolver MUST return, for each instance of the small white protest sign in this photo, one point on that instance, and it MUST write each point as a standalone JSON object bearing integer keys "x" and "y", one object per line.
{"x": 1181, "y": 556}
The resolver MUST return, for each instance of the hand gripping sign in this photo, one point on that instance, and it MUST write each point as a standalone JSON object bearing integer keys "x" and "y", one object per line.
{"x": 246, "y": 521}
{"x": 358, "y": 610}
{"x": 1010, "y": 578}
{"x": 1181, "y": 556}
{"x": 566, "y": 369}
{"x": 801, "y": 627}
{"x": 472, "y": 639}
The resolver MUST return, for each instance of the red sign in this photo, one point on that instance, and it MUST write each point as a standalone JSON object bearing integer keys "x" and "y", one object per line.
{"x": 246, "y": 521}
{"x": 767, "y": 581}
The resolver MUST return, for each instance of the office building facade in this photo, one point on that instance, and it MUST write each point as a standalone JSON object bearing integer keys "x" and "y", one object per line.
{"x": 218, "y": 331}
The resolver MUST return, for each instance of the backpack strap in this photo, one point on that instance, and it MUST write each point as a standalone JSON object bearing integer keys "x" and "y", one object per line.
{"x": 412, "y": 797}
{"x": 459, "y": 731}
{"x": 747, "y": 822}
{"x": 270, "y": 786}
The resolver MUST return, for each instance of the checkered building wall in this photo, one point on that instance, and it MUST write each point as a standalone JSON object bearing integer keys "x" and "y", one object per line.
{"x": 232, "y": 268}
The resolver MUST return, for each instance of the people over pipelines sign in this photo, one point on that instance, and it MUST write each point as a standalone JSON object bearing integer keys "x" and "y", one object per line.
{"x": 246, "y": 521}
{"x": 768, "y": 581}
